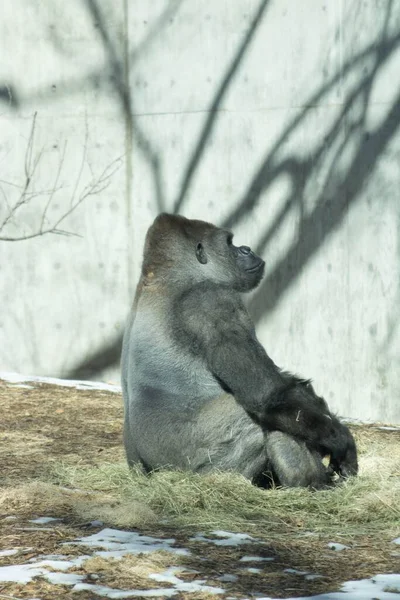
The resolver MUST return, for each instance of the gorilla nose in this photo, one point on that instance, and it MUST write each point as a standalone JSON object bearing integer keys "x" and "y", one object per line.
{"x": 245, "y": 250}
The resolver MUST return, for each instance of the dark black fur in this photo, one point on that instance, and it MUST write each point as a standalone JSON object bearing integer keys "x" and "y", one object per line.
{"x": 200, "y": 391}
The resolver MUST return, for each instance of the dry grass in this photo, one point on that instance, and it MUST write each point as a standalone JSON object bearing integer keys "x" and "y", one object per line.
{"x": 62, "y": 456}
{"x": 368, "y": 503}
{"x": 109, "y": 491}
{"x": 132, "y": 572}
{"x": 39, "y": 497}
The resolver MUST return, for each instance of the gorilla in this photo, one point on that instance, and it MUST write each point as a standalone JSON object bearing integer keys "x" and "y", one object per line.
{"x": 200, "y": 391}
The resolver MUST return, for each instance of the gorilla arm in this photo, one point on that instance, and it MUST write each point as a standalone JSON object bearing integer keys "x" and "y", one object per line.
{"x": 220, "y": 329}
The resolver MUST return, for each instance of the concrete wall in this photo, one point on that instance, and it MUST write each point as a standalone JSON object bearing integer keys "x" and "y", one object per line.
{"x": 277, "y": 118}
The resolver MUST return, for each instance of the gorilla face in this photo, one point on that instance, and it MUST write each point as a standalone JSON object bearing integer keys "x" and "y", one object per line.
{"x": 185, "y": 251}
{"x": 236, "y": 266}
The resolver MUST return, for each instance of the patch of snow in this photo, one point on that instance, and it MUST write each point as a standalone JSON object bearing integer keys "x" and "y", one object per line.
{"x": 63, "y": 565}
{"x": 255, "y": 559}
{"x": 22, "y": 385}
{"x": 254, "y": 570}
{"x": 64, "y": 578}
{"x": 116, "y": 543}
{"x": 198, "y": 586}
{"x": 228, "y": 578}
{"x": 47, "y": 557}
{"x": 96, "y": 523}
{"x": 44, "y": 520}
{"x": 387, "y": 428}
{"x": 10, "y": 518}
{"x": 396, "y": 541}
{"x": 228, "y": 538}
{"x": 107, "y": 592}
{"x": 307, "y": 575}
{"x": 169, "y": 576}
{"x": 9, "y": 552}
{"x": 80, "y": 385}
{"x": 76, "y": 490}
{"x": 370, "y": 586}
{"x": 364, "y": 589}
{"x": 26, "y": 572}
{"x": 295, "y": 572}
{"x": 337, "y": 547}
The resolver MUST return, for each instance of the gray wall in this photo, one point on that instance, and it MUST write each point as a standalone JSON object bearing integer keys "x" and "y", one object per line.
{"x": 277, "y": 118}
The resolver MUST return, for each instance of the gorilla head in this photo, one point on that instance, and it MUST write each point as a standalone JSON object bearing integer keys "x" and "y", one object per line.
{"x": 179, "y": 245}
{"x": 200, "y": 391}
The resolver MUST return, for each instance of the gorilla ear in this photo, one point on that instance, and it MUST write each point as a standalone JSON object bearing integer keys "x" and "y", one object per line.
{"x": 201, "y": 254}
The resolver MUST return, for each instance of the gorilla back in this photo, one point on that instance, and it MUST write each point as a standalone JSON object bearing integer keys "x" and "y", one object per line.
{"x": 200, "y": 392}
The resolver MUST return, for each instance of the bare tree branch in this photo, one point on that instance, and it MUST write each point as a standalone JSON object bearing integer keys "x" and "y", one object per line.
{"x": 26, "y": 192}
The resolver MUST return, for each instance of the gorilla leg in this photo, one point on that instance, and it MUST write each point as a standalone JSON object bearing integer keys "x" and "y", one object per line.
{"x": 292, "y": 464}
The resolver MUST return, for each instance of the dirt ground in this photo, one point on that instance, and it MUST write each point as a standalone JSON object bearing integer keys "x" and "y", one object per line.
{"x": 43, "y": 424}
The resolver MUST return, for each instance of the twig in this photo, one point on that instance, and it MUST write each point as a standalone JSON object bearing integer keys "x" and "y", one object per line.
{"x": 51, "y": 196}
{"x": 387, "y": 504}
{"x": 27, "y": 194}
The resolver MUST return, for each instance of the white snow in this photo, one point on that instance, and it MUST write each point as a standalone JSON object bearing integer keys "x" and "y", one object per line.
{"x": 307, "y": 575}
{"x": 107, "y": 592}
{"x": 115, "y": 543}
{"x": 80, "y": 385}
{"x": 22, "y": 385}
{"x": 364, "y": 589}
{"x": 47, "y": 557}
{"x": 228, "y": 538}
{"x": 169, "y": 576}
{"x": 96, "y": 523}
{"x": 25, "y": 573}
{"x": 44, "y": 520}
{"x": 255, "y": 559}
{"x": 228, "y": 578}
{"x": 253, "y": 570}
{"x": 337, "y": 547}
{"x": 9, "y": 552}
{"x": 64, "y": 578}
{"x": 295, "y": 572}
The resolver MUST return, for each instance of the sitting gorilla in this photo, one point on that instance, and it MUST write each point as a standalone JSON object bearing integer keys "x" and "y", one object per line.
{"x": 200, "y": 392}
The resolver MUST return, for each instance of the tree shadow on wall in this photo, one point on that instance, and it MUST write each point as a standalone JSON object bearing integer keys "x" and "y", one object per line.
{"x": 347, "y": 135}
{"x": 109, "y": 355}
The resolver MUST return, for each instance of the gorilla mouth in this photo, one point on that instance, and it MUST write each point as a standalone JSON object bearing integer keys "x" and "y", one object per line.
{"x": 256, "y": 267}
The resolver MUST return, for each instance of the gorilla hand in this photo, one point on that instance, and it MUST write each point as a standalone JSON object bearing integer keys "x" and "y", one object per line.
{"x": 345, "y": 464}
{"x": 275, "y": 400}
{"x": 298, "y": 410}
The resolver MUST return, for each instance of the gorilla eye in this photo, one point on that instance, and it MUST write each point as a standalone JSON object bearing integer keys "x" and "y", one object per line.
{"x": 229, "y": 239}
